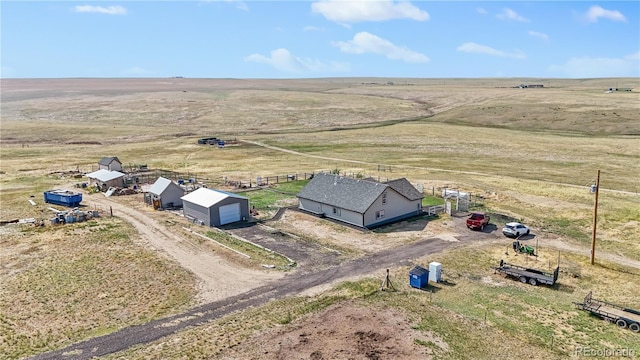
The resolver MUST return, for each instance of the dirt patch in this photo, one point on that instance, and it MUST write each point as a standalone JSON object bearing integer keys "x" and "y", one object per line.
{"x": 338, "y": 236}
{"x": 348, "y": 330}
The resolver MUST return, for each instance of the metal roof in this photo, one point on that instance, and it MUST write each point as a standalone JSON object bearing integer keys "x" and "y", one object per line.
{"x": 160, "y": 186}
{"x": 208, "y": 197}
{"x": 343, "y": 192}
{"x": 104, "y": 175}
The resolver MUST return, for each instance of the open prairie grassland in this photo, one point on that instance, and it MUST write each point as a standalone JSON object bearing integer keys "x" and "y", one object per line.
{"x": 532, "y": 154}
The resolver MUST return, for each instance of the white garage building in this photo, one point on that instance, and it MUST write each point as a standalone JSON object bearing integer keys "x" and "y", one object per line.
{"x": 215, "y": 207}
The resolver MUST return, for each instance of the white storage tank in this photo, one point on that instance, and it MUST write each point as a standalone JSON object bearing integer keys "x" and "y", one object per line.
{"x": 435, "y": 272}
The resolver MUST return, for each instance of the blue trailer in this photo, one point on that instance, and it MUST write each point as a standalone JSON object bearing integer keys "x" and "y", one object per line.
{"x": 63, "y": 197}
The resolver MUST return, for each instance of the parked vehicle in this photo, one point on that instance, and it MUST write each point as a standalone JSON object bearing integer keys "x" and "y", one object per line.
{"x": 623, "y": 317}
{"x": 477, "y": 221}
{"x": 528, "y": 275}
{"x": 515, "y": 229}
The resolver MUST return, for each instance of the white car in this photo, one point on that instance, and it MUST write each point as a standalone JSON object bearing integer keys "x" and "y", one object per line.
{"x": 515, "y": 229}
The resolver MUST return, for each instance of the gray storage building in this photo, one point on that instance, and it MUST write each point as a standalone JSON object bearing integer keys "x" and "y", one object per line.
{"x": 165, "y": 194}
{"x": 215, "y": 207}
{"x": 364, "y": 203}
{"x": 110, "y": 163}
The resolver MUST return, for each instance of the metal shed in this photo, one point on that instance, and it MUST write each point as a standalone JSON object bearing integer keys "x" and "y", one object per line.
{"x": 418, "y": 277}
{"x": 215, "y": 207}
{"x": 106, "y": 179}
{"x": 164, "y": 193}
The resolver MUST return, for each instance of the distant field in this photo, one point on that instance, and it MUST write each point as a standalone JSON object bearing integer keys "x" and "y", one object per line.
{"x": 530, "y": 153}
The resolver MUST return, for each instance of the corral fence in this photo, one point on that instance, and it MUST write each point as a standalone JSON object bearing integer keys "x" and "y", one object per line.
{"x": 261, "y": 181}
{"x": 137, "y": 175}
{"x": 267, "y": 180}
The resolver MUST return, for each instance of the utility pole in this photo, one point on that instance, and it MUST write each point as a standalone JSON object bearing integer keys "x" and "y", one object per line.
{"x": 595, "y": 219}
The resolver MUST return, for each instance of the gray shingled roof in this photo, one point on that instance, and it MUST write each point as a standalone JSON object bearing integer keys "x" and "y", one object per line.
{"x": 404, "y": 188}
{"x": 343, "y": 192}
{"x": 107, "y": 160}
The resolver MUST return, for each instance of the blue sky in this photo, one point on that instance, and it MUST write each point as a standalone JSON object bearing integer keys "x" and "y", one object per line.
{"x": 326, "y": 38}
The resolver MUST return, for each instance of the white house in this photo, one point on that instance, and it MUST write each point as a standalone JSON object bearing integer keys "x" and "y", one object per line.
{"x": 363, "y": 203}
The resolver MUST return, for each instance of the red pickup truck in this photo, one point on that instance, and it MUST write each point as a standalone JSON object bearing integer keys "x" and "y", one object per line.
{"x": 477, "y": 221}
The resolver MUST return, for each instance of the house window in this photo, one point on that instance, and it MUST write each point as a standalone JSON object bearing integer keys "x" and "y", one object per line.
{"x": 336, "y": 211}
{"x": 384, "y": 198}
{"x": 379, "y": 214}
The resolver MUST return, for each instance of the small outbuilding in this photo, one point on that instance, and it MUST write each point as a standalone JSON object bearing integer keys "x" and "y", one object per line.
{"x": 164, "y": 193}
{"x": 215, "y": 207}
{"x": 105, "y": 179}
{"x": 418, "y": 277}
{"x": 110, "y": 163}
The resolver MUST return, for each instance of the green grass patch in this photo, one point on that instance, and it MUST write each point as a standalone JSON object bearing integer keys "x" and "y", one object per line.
{"x": 432, "y": 201}
{"x": 291, "y": 187}
{"x": 267, "y": 199}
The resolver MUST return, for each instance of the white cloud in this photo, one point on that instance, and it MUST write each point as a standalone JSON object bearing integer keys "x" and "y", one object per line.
{"x": 596, "y": 12}
{"x": 635, "y": 56}
{"x": 588, "y": 67}
{"x": 508, "y": 14}
{"x": 539, "y": 35}
{"x": 284, "y": 61}
{"x": 342, "y": 11}
{"x": 109, "y": 10}
{"x": 474, "y": 48}
{"x": 364, "y": 42}
{"x": 481, "y": 11}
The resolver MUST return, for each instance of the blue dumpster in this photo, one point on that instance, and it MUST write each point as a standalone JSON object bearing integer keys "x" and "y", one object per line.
{"x": 418, "y": 277}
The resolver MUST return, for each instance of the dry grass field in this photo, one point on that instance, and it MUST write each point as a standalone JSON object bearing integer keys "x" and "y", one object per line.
{"x": 532, "y": 154}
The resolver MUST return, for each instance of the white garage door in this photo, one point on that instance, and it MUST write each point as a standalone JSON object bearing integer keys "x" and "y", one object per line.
{"x": 229, "y": 213}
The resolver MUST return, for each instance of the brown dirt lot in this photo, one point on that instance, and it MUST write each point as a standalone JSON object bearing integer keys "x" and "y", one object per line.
{"x": 348, "y": 330}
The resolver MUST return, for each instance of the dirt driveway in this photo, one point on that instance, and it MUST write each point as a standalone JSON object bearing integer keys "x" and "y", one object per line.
{"x": 218, "y": 278}
{"x": 307, "y": 254}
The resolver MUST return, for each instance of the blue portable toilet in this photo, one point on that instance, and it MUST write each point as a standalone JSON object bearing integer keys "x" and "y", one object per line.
{"x": 418, "y": 277}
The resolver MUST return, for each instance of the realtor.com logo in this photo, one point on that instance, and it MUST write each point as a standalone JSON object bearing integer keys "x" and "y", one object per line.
{"x": 601, "y": 353}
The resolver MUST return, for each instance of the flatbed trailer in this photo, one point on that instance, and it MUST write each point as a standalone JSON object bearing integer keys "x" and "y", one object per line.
{"x": 623, "y": 317}
{"x": 528, "y": 275}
